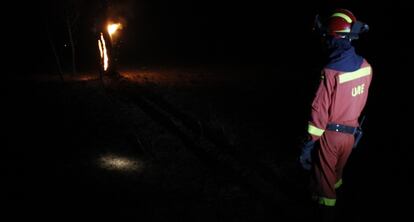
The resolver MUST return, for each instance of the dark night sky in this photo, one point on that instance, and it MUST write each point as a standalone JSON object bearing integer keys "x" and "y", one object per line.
{"x": 202, "y": 31}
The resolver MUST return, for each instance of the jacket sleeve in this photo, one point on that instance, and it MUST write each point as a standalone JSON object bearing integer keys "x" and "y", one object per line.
{"x": 321, "y": 106}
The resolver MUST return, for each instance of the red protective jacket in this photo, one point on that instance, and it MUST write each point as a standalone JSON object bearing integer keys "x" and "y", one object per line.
{"x": 340, "y": 98}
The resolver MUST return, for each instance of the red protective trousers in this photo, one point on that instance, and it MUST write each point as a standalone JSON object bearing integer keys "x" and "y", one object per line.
{"x": 332, "y": 153}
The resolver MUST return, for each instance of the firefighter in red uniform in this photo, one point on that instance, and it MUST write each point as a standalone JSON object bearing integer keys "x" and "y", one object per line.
{"x": 336, "y": 108}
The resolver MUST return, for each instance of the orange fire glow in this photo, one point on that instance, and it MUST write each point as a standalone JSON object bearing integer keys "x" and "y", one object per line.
{"x": 112, "y": 28}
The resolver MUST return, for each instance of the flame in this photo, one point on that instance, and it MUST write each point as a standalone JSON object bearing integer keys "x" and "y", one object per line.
{"x": 103, "y": 52}
{"x": 112, "y": 28}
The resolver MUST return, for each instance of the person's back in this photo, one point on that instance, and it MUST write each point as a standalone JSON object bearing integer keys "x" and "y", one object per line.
{"x": 338, "y": 103}
{"x": 346, "y": 80}
{"x": 351, "y": 94}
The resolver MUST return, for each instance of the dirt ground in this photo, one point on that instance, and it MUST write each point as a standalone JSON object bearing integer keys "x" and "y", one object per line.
{"x": 181, "y": 144}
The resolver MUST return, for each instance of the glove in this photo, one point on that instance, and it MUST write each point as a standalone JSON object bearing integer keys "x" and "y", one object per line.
{"x": 305, "y": 157}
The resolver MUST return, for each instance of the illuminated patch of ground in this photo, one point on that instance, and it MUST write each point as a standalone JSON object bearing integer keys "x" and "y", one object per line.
{"x": 120, "y": 163}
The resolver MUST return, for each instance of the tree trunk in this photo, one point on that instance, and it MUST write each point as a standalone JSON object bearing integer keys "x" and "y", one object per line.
{"x": 100, "y": 58}
{"x": 102, "y": 24}
{"x": 72, "y": 44}
{"x": 108, "y": 42}
{"x": 52, "y": 45}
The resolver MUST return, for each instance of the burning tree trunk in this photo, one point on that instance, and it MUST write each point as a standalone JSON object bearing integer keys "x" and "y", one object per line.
{"x": 103, "y": 55}
{"x": 105, "y": 49}
{"x": 105, "y": 42}
{"x": 105, "y": 35}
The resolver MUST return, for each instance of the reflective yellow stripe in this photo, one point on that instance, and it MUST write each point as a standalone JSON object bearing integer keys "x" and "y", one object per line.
{"x": 349, "y": 76}
{"x": 338, "y": 184}
{"x": 344, "y": 16}
{"x": 344, "y": 30}
{"x": 327, "y": 202}
{"x": 315, "y": 130}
